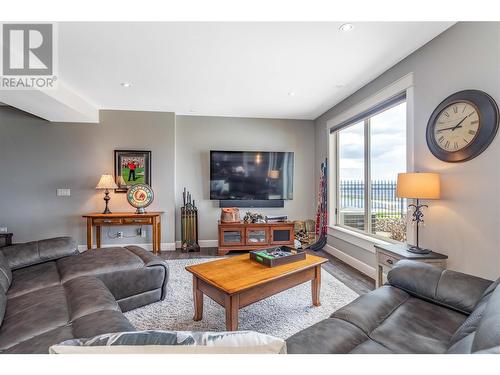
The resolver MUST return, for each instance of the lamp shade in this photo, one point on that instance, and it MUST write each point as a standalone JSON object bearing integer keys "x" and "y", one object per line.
{"x": 418, "y": 185}
{"x": 106, "y": 182}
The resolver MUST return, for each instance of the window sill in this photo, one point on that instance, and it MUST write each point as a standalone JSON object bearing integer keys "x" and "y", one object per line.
{"x": 358, "y": 239}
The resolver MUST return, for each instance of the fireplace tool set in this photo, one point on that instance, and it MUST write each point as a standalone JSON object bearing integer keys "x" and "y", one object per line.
{"x": 189, "y": 224}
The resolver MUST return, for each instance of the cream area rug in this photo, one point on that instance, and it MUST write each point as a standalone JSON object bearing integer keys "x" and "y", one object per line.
{"x": 281, "y": 315}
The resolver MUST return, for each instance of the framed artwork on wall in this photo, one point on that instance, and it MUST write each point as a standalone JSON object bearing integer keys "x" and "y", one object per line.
{"x": 132, "y": 167}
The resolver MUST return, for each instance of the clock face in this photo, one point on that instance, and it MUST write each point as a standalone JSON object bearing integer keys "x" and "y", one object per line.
{"x": 457, "y": 126}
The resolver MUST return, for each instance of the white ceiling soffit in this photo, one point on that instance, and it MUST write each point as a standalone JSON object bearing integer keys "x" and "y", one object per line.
{"x": 57, "y": 105}
{"x": 268, "y": 70}
{"x": 60, "y": 104}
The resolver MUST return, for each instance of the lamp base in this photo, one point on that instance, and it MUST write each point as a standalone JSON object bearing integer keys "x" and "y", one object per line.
{"x": 418, "y": 250}
{"x": 106, "y": 200}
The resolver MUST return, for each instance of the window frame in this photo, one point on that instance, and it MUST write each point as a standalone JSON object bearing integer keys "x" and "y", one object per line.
{"x": 367, "y": 194}
{"x": 364, "y": 239}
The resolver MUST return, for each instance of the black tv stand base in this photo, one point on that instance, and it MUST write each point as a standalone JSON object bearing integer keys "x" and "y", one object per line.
{"x": 252, "y": 203}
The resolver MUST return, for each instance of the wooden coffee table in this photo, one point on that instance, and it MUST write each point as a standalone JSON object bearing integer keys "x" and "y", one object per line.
{"x": 237, "y": 282}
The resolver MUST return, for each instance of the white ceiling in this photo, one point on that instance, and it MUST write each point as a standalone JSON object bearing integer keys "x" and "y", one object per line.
{"x": 231, "y": 69}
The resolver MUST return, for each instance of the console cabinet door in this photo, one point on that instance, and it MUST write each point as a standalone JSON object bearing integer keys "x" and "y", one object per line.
{"x": 257, "y": 236}
{"x": 232, "y": 236}
{"x": 282, "y": 235}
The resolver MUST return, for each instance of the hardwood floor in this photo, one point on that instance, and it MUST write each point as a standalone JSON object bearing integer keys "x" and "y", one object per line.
{"x": 348, "y": 275}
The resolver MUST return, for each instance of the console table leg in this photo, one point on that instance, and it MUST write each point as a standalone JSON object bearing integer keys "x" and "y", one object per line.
{"x": 98, "y": 236}
{"x": 198, "y": 300}
{"x": 158, "y": 235}
{"x": 89, "y": 233}
{"x": 155, "y": 236}
{"x": 380, "y": 276}
{"x": 232, "y": 305}
{"x": 316, "y": 286}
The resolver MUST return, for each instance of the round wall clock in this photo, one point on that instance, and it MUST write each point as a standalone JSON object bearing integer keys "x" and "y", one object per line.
{"x": 462, "y": 126}
{"x": 140, "y": 196}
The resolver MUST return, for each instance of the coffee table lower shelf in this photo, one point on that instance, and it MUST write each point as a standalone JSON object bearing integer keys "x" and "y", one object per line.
{"x": 233, "y": 302}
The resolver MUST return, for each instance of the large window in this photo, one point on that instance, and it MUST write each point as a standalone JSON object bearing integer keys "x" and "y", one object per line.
{"x": 368, "y": 153}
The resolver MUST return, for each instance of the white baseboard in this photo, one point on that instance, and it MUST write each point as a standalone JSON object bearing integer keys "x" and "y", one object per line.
{"x": 202, "y": 243}
{"x": 353, "y": 262}
{"x": 165, "y": 246}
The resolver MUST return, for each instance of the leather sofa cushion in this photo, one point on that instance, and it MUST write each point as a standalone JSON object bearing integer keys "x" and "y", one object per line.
{"x": 33, "y": 314}
{"x": 328, "y": 336}
{"x": 488, "y": 332}
{"x": 452, "y": 289}
{"x": 98, "y": 261}
{"x": 471, "y": 323}
{"x": 462, "y": 346}
{"x": 3, "y": 305}
{"x": 30, "y": 279}
{"x": 87, "y": 295}
{"x": 30, "y": 253}
{"x": 370, "y": 347}
{"x": 95, "y": 324}
{"x": 381, "y": 303}
{"x": 123, "y": 284}
{"x": 417, "y": 326}
{"x": 105, "y": 321}
{"x": 5, "y": 274}
{"x": 40, "y": 344}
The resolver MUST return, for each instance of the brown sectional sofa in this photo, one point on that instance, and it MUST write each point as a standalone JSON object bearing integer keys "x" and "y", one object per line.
{"x": 50, "y": 293}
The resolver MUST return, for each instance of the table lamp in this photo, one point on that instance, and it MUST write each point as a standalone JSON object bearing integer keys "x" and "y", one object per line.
{"x": 418, "y": 186}
{"x": 105, "y": 183}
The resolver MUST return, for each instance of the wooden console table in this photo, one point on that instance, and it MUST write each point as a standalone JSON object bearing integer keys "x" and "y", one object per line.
{"x": 123, "y": 218}
{"x": 241, "y": 236}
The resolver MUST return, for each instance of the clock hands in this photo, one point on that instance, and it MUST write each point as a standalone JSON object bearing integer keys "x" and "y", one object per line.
{"x": 452, "y": 128}
{"x": 458, "y": 125}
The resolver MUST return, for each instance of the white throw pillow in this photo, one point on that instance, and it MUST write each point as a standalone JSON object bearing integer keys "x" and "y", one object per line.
{"x": 174, "y": 342}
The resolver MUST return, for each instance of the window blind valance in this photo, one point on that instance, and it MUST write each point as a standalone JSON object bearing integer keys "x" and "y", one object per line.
{"x": 395, "y": 100}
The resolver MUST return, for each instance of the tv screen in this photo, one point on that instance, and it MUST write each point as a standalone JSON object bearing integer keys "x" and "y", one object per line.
{"x": 251, "y": 175}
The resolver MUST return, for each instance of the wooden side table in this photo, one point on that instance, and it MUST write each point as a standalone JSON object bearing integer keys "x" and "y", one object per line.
{"x": 389, "y": 255}
{"x": 123, "y": 218}
{"x": 5, "y": 239}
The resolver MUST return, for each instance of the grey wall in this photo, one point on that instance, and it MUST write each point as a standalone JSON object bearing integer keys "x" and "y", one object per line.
{"x": 197, "y": 135}
{"x": 465, "y": 223}
{"x": 37, "y": 157}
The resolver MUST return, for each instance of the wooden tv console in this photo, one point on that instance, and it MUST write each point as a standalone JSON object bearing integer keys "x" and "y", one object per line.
{"x": 243, "y": 236}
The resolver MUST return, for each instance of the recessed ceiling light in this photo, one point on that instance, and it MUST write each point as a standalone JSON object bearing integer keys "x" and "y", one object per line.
{"x": 291, "y": 93}
{"x": 346, "y": 27}
{"x": 126, "y": 84}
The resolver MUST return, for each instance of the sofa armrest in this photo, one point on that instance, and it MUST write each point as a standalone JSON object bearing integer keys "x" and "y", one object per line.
{"x": 30, "y": 253}
{"x": 147, "y": 257}
{"x": 451, "y": 289}
{"x": 151, "y": 260}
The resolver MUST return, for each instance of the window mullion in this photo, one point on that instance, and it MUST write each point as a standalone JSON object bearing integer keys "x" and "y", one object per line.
{"x": 337, "y": 180}
{"x": 368, "y": 183}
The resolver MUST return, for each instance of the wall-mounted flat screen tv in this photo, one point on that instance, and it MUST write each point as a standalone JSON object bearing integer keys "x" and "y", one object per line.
{"x": 251, "y": 175}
